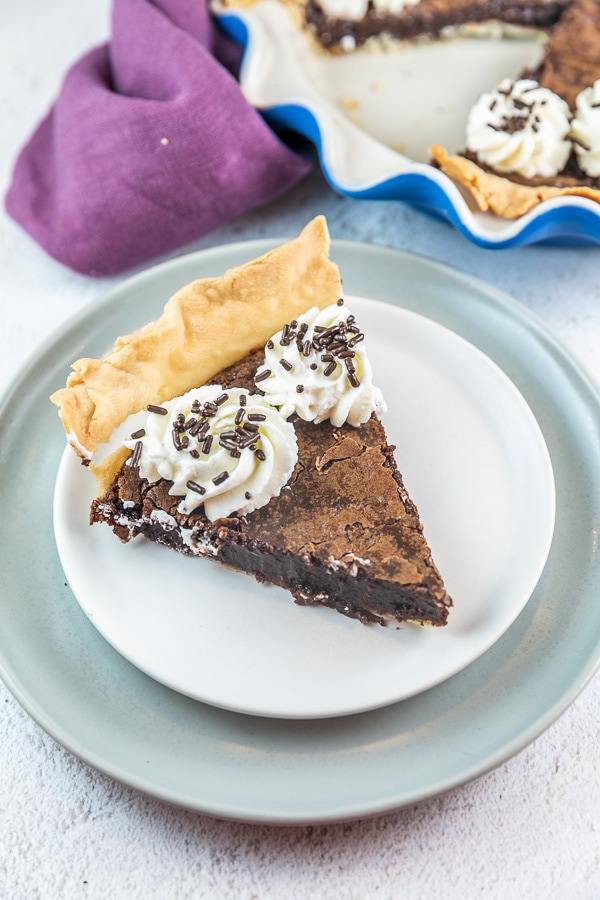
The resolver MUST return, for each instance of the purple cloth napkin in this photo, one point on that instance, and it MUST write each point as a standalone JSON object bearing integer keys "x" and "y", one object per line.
{"x": 150, "y": 145}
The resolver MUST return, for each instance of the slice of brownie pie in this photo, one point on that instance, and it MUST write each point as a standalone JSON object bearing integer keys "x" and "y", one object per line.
{"x": 275, "y": 463}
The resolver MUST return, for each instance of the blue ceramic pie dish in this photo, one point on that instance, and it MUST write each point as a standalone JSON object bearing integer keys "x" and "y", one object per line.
{"x": 372, "y": 116}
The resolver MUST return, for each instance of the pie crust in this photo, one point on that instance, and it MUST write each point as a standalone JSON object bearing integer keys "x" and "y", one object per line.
{"x": 205, "y": 326}
{"x": 499, "y": 195}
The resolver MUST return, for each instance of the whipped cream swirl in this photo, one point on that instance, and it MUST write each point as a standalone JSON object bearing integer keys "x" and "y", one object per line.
{"x": 585, "y": 130}
{"x": 354, "y": 10}
{"x": 226, "y": 449}
{"x": 522, "y": 128}
{"x": 345, "y": 9}
{"x": 317, "y": 367}
{"x": 393, "y": 6}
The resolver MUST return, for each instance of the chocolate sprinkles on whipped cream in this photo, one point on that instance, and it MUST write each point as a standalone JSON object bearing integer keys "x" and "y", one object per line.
{"x": 245, "y": 436}
{"x": 334, "y": 345}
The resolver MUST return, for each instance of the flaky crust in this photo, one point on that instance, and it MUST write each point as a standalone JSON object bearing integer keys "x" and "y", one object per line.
{"x": 205, "y": 327}
{"x": 497, "y": 194}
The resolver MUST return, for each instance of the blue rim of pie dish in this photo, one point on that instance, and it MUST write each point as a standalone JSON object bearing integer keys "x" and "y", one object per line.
{"x": 564, "y": 221}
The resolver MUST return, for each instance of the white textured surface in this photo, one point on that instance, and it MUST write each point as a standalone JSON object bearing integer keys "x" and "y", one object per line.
{"x": 530, "y": 829}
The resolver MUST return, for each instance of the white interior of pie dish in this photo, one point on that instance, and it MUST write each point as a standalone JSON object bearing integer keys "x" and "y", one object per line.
{"x": 373, "y": 116}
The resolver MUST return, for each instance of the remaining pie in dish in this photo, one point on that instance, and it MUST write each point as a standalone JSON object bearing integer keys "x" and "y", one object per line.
{"x": 341, "y": 26}
{"x": 276, "y": 463}
{"x": 538, "y": 137}
{"x": 527, "y": 140}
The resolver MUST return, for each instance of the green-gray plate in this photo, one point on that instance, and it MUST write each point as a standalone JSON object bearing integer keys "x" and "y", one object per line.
{"x": 115, "y": 718}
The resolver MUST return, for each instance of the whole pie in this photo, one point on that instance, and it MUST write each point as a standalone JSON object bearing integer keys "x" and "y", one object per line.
{"x": 262, "y": 446}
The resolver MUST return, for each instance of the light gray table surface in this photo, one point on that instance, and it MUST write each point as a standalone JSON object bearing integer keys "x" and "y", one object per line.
{"x": 531, "y": 828}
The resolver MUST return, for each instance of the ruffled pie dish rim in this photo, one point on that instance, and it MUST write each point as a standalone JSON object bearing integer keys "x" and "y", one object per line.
{"x": 289, "y": 101}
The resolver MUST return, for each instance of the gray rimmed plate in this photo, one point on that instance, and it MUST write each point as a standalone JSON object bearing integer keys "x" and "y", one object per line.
{"x": 120, "y": 721}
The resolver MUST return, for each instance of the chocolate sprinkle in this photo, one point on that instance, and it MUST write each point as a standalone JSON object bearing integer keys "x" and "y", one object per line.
{"x": 287, "y": 336}
{"x": 137, "y": 452}
{"x": 248, "y": 440}
{"x": 202, "y": 431}
{"x": 194, "y": 486}
{"x": 219, "y": 479}
{"x": 262, "y": 375}
{"x": 138, "y": 434}
{"x": 356, "y": 339}
{"x": 159, "y": 410}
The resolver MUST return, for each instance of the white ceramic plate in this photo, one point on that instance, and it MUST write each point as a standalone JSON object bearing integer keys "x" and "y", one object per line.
{"x": 373, "y": 116}
{"x": 477, "y": 466}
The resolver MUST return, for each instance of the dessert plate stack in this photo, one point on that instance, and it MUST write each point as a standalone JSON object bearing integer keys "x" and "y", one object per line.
{"x": 280, "y": 766}
{"x": 372, "y": 117}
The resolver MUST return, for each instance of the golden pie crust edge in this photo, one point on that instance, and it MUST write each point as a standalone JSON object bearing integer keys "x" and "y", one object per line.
{"x": 206, "y": 326}
{"x": 499, "y": 195}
